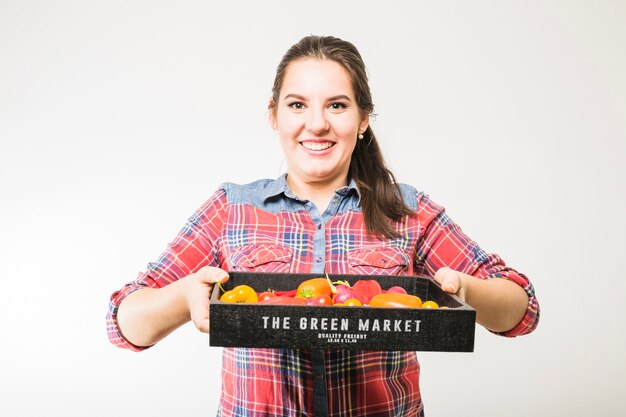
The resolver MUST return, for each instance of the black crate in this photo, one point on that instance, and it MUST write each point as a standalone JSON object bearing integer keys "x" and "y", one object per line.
{"x": 357, "y": 328}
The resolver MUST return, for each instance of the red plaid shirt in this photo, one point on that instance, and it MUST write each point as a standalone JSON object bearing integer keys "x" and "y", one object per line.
{"x": 263, "y": 227}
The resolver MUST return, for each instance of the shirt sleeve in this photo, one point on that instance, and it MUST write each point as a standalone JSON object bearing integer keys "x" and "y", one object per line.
{"x": 193, "y": 247}
{"x": 443, "y": 243}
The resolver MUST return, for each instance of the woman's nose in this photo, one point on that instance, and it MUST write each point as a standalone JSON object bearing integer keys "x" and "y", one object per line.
{"x": 317, "y": 121}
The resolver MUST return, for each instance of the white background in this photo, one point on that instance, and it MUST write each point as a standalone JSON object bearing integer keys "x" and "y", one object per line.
{"x": 119, "y": 118}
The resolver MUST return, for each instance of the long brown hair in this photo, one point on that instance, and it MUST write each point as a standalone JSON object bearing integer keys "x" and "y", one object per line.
{"x": 381, "y": 198}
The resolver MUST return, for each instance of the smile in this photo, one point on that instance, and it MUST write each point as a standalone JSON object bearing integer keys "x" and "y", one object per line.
{"x": 317, "y": 146}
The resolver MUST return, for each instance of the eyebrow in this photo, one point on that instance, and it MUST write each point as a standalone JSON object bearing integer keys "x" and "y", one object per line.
{"x": 333, "y": 98}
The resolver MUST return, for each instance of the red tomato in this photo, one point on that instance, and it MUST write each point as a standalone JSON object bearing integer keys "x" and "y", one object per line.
{"x": 266, "y": 295}
{"x": 365, "y": 289}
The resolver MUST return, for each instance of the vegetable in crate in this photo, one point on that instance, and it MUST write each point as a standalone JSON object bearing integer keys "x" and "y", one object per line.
{"x": 365, "y": 289}
{"x": 314, "y": 287}
{"x": 240, "y": 294}
{"x": 285, "y": 300}
{"x": 266, "y": 295}
{"x": 396, "y": 289}
{"x": 344, "y": 293}
{"x": 430, "y": 304}
{"x": 350, "y": 302}
{"x": 320, "y": 300}
{"x": 396, "y": 300}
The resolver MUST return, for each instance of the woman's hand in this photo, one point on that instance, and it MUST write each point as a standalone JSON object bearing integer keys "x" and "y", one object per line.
{"x": 500, "y": 304}
{"x": 199, "y": 291}
{"x": 149, "y": 314}
{"x": 451, "y": 281}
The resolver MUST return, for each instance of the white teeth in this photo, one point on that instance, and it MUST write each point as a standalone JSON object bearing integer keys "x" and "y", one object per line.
{"x": 317, "y": 146}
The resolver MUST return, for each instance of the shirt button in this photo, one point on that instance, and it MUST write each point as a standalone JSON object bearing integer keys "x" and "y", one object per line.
{"x": 319, "y": 226}
{"x": 319, "y": 259}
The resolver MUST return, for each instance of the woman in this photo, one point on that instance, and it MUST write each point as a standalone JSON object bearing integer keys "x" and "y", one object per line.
{"x": 337, "y": 209}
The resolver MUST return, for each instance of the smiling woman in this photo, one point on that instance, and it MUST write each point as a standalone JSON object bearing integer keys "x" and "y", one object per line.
{"x": 324, "y": 81}
{"x": 337, "y": 209}
{"x": 318, "y": 121}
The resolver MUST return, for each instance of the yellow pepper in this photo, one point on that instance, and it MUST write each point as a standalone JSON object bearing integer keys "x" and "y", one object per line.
{"x": 240, "y": 294}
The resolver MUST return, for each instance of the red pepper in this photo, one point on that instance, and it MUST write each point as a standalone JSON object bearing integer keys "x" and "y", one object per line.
{"x": 365, "y": 289}
{"x": 289, "y": 293}
{"x": 321, "y": 300}
{"x": 283, "y": 300}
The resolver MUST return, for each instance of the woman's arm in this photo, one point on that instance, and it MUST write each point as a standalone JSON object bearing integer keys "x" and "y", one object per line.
{"x": 504, "y": 299}
{"x": 175, "y": 288}
{"x": 500, "y": 304}
{"x": 149, "y": 314}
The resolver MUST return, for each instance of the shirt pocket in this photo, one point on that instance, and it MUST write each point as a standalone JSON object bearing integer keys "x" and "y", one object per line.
{"x": 262, "y": 257}
{"x": 378, "y": 261}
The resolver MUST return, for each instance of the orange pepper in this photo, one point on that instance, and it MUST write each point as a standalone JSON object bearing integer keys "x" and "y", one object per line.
{"x": 313, "y": 288}
{"x": 240, "y": 294}
{"x": 390, "y": 299}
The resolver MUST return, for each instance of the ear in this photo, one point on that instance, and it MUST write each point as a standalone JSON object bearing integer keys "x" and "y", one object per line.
{"x": 271, "y": 114}
{"x": 365, "y": 122}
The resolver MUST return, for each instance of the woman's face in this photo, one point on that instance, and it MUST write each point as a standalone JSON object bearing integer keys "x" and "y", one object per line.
{"x": 317, "y": 120}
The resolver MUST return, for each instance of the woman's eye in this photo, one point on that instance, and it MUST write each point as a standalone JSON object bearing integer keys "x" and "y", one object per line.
{"x": 296, "y": 105}
{"x": 337, "y": 106}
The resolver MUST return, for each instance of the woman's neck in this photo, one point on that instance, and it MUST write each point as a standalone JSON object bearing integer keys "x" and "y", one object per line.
{"x": 318, "y": 192}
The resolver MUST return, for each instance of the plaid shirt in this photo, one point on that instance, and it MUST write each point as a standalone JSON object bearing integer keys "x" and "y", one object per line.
{"x": 264, "y": 227}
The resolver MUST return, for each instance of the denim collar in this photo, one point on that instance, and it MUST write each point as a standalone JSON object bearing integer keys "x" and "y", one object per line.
{"x": 279, "y": 186}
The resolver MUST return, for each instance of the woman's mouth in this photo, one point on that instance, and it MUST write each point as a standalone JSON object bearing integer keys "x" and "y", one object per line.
{"x": 317, "y": 146}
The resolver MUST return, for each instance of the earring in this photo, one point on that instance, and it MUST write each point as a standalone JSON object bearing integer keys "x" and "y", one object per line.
{"x": 360, "y": 136}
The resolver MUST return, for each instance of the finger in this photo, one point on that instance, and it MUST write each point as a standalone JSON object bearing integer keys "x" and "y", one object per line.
{"x": 201, "y": 319}
{"x": 203, "y": 326}
{"x": 448, "y": 279}
{"x": 200, "y": 310}
{"x": 205, "y": 278}
{"x": 211, "y": 275}
{"x": 201, "y": 323}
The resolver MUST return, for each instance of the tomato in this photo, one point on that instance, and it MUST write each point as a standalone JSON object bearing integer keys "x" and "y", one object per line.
{"x": 266, "y": 295}
{"x": 240, "y": 294}
{"x": 322, "y": 300}
{"x": 314, "y": 287}
{"x": 365, "y": 289}
{"x": 430, "y": 304}
{"x": 397, "y": 289}
{"x": 284, "y": 300}
{"x": 390, "y": 299}
{"x": 351, "y": 302}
